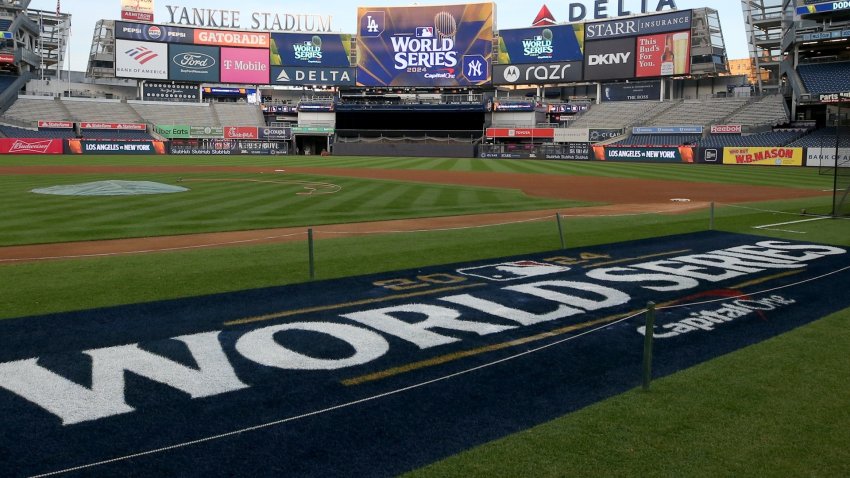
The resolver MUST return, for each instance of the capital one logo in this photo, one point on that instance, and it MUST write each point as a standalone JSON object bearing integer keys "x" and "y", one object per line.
{"x": 608, "y": 59}
{"x": 372, "y": 24}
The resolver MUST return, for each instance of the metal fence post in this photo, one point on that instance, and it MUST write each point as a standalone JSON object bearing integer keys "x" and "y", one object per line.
{"x": 711, "y": 217}
{"x": 647, "y": 344}
{"x": 560, "y": 230}
{"x": 310, "y": 253}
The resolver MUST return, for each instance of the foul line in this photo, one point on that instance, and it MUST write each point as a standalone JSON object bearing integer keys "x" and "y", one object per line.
{"x": 767, "y": 227}
{"x": 323, "y": 308}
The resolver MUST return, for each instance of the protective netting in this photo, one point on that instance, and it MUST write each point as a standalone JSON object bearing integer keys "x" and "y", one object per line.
{"x": 111, "y": 188}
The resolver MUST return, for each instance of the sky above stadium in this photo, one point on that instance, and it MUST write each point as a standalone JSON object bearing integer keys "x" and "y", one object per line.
{"x": 509, "y": 14}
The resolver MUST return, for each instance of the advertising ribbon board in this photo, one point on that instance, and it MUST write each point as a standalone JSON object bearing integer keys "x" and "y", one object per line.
{"x": 55, "y": 125}
{"x": 667, "y": 130}
{"x": 236, "y": 39}
{"x": 241, "y": 132}
{"x": 681, "y": 154}
{"x": 115, "y": 126}
{"x": 520, "y": 132}
{"x": 764, "y": 156}
{"x": 298, "y": 76}
{"x": 76, "y": 146}
{"x": 823, "y": 7}
{"x": 433, "y": 46}
{"x": 275, "y": 133}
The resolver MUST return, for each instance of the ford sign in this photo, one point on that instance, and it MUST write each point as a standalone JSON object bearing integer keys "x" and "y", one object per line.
{"x": 194, "y": 60}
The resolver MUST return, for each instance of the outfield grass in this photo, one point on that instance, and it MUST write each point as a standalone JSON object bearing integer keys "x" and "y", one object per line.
{"x": 779, "y": 408}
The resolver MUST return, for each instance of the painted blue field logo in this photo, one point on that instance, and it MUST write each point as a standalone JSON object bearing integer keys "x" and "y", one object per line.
{"x": 154, "y": 379}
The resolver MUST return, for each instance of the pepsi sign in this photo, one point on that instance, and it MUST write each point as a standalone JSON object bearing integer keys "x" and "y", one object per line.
{"x": 157, "y": 33}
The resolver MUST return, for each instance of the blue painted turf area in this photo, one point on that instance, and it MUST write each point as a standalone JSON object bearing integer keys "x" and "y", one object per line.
{"x": 377, "y": 375}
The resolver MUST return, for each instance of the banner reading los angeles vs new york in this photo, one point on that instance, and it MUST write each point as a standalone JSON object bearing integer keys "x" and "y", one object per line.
{"x": 433, "y": 46}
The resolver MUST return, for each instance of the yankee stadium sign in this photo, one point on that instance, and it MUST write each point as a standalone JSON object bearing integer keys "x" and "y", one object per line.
{"x": 217, "y": 18}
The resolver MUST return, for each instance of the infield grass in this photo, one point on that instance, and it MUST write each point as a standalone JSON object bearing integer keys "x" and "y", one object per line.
{"x": 779, "y": 408}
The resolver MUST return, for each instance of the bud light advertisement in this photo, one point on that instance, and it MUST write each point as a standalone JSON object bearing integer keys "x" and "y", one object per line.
{"x": 557, "y": 43}
{"x": 310, "y": 50}
{"x": 433, "y": 46}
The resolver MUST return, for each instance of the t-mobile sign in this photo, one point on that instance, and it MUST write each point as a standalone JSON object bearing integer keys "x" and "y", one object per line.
{"x": 245, "y": 65}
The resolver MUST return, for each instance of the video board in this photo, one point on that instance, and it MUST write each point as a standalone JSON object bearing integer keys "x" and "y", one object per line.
{"x": 310, "y": 50}
{"x": 557, "y": 43}
{"x": 433, "y": 46}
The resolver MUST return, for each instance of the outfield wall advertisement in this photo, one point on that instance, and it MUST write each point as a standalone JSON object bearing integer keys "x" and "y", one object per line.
{"x": 557, "y": 43}
{"x": 31, "y": 146}
{"x": 777, "y": 156}
{"x": 826, "y": 157}
{"x": 76, "y": 146}
{"x": 433, "y": 46}
{"x": 681, "y": 154}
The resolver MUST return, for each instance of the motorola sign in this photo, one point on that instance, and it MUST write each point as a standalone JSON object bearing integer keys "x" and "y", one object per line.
{"x": 537, "y": 74}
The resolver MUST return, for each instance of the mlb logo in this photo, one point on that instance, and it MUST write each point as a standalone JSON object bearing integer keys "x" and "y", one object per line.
{"x": 424, "y": 32}
{"x": 508, "y": 271}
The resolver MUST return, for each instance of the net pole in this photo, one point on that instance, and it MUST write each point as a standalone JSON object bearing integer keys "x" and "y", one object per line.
{"x": 647, "y": 345}
{"x": 835, "y": 167}
{"x": 310, "y": 255}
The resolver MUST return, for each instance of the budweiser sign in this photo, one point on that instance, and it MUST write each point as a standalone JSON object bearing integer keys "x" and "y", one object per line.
{"x": 55, "y": 125}
{"x": 119, "y": 126}
{"x": 726, "y": 129}
{"x": 30, "y": 146}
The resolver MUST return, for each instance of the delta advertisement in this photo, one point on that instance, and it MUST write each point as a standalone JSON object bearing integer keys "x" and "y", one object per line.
{"x": 681, "y": 154}
{"x": 609, "y": 59}
{"x": 194, "y": 63}
{"x": 556, "y": 43}
{"x": 31, "y": 146}
{"x": 245, "y": 65}
{"x": 665, "y": 54}
{"x": 299, "y": 76}
{"x": 433, "y": 46}
{"x": 306, "y": 50}
{"x": 765, "y": 156}
{"x": 143, "y": 60}
{"x": 156, "y": 33}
